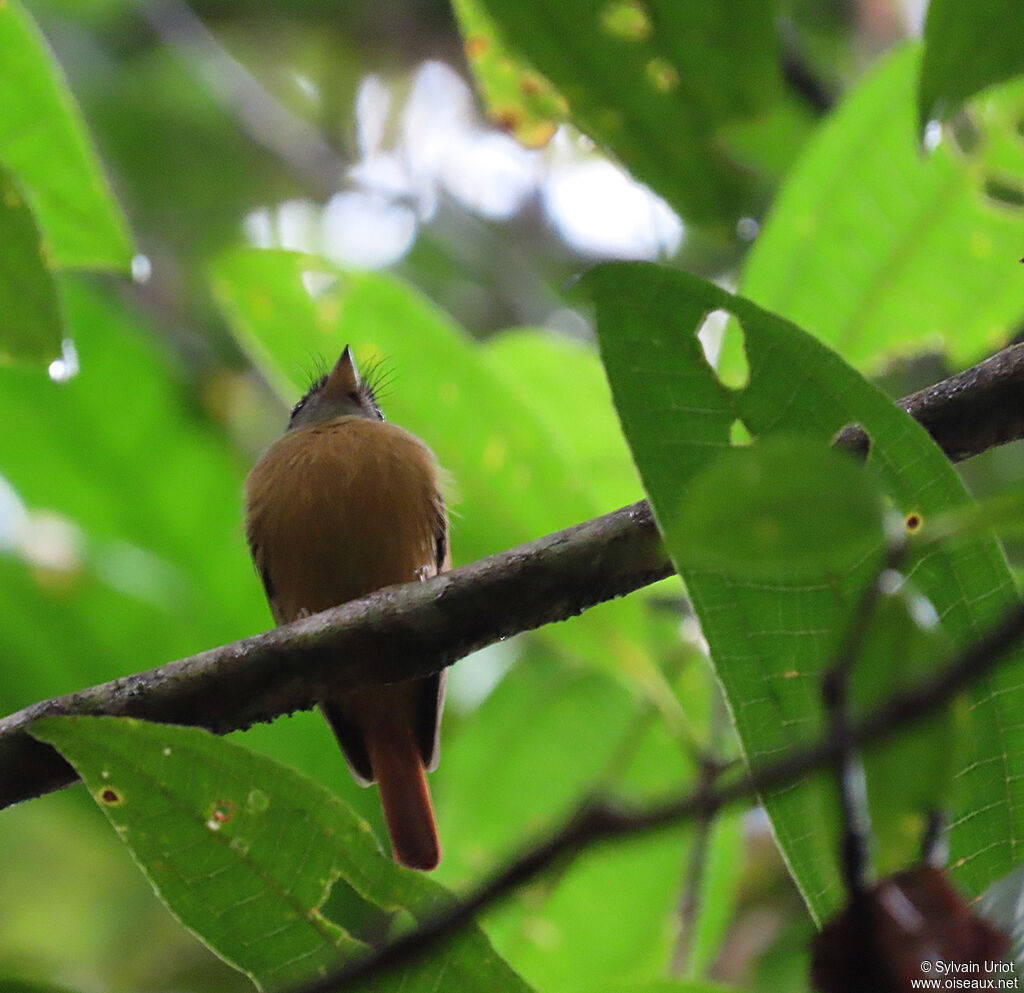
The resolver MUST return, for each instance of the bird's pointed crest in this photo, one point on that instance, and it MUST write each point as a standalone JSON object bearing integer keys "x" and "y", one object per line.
{"x": 343, "y": 379}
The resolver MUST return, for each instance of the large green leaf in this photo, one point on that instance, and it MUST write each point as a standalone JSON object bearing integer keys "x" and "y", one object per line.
{"x": 968, "y": 46}
{"x": 245, "y": 852}
{"x": 136, "y": 495}
{"x": 879, "y": 249}
{"x": 770, "y": 638}
{"x": 562, "y": 381}
{"x": 44, "y": 143}
{"x": 652, "y": 81}
{"x": 30, "y": 318}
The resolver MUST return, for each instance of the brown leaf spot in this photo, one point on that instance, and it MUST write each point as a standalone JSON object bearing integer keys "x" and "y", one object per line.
{"x": 222, "y": 811}
{"x": 477, "y": 45}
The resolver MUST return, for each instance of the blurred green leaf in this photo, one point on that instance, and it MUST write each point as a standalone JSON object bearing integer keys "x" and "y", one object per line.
{"x": 719, "y": 892}
{"x": 651, "y": 80}
{"x": 44, "y": 143}
{"x": 245, "y": 852}
{"x": 133, "y": 552}
{"x": 564, "y": 385}
{"x": 783, "y": 506}
{"x": 30, "y": 318}
{"x": 538, "y": 743}
{"x": 55, "y": 916}
{"x": 968, "y": 46}
{"x": 878, "y": 249}
{"x": 770, "y": 639}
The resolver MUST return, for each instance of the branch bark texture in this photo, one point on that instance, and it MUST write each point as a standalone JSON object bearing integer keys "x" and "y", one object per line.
{"x": 969, "y": 413}
{"x": 397, "y": 633}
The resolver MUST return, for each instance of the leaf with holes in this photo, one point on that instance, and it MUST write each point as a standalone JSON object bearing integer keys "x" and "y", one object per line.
{"x": 770, "y": 638}
{"x": 44, "y": 143}
{"x": 30, "y": 315}
{"x": 245, "y": 852}
{"x": 652, "y": 81}
{"x": 879, "y": 249}
{"x": 968, "y": 46}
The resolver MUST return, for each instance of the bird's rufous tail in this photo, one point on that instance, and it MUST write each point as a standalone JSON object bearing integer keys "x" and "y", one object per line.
{"x": 405, "y": 797}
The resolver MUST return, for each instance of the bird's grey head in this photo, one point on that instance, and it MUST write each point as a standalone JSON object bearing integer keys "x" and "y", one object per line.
{"x": 338, "y": 393}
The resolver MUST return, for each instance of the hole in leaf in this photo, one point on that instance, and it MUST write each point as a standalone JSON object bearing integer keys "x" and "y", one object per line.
{"x": 222, "y": 811}
{"x": 738, "y": 433}
{"x": 363, "y": 919}
{"x": 932, "y": 137}
{"x": 1004, "y": 193}
{"x": 853, "y": 439}
{"x": 662, "y": 75}
{"x": 725, "y": 349}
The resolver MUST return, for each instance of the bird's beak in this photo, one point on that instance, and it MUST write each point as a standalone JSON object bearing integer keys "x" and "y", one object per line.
{"x": 344, "y": 377}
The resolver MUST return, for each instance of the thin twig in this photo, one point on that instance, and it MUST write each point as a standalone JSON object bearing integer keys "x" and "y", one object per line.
{"x": 600, "y": 822}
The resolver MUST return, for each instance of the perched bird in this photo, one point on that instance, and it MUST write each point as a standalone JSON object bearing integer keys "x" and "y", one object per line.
{"x": 339, "y": 506}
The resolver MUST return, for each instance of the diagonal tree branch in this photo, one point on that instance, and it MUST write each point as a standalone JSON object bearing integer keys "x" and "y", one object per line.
{"x": 412, "y": 630}
{"x": 397, "y": 633}
{"x": 969, "y": 413}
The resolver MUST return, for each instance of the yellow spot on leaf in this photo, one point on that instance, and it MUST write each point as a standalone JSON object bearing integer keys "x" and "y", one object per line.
{"x": 494, "y": 455}
{"x": 662, "y": 75}
{"x": 476, "y": 46}
{"x": 981, "y": 245}
{"x": 626, "y": 19}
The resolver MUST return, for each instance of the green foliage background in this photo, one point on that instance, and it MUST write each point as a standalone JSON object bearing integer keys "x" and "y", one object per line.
{"x": 889, "y": 242}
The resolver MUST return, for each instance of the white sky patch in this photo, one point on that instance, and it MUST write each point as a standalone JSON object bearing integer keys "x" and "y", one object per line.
{"x": 436, "y": 143}
{"x": 601, "y": 210}
{"x": 367, "y": 230}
